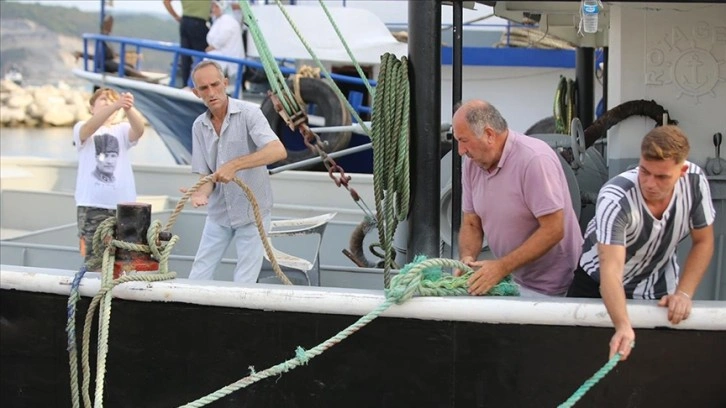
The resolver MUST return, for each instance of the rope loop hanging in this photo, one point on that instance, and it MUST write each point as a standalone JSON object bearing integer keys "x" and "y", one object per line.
{"x": 390, "y": 138}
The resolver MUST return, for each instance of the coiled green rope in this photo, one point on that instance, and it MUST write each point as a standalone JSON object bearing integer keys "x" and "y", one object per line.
{"x": 390, "y": 138}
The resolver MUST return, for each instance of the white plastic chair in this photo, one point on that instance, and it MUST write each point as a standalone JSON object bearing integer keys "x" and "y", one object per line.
{"x": 297, "y": 227}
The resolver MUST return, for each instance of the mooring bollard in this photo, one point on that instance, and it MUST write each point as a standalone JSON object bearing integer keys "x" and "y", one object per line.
{"x": 132, "y": 223}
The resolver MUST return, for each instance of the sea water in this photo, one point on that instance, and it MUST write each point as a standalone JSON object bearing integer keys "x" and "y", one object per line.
{"x": 57, "y": 143}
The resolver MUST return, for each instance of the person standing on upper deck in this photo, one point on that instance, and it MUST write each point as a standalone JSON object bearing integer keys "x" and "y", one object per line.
{"x": 640, "y": 217}
{"x": 225, "y": 37}
{"x": 192, "y": 30}
{"x": 231, "y": 139}
{"x": 515, "y": 194}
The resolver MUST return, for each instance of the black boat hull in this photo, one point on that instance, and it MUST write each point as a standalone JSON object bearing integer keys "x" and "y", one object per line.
{"x": 166, "y": 354}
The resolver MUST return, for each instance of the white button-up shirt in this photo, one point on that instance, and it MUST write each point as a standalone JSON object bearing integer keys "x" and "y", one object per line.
{"x": 245, "y": 130}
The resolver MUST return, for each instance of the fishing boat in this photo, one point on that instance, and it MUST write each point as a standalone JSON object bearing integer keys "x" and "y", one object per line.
{"x": 179, "y": 341}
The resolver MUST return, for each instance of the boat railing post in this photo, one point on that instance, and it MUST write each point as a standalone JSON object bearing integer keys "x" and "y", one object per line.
{"x": 137, "y": 65}
{"x": 122, "y": 59}
{"x": 85, "y": 54}
{"x": 424, "y": 22}
{"x": 456, "y": 94}
{"x": 100, "y": 57}
{"x": 174, "y": 68}
{"x": 509, "y": 32}
{"x": 585, "y": 75}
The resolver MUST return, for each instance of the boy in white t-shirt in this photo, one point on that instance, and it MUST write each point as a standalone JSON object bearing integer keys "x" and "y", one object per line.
{"x": 104, "y": 178}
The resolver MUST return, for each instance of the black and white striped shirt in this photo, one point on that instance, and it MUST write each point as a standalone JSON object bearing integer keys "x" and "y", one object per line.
{"x": 622, "y": 218}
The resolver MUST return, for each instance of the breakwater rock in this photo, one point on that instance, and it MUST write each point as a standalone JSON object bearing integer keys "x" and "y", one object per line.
{"x": 42, "y": 106}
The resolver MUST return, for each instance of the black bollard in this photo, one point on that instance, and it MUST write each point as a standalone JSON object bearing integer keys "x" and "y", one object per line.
{"x": 132, "y": 223}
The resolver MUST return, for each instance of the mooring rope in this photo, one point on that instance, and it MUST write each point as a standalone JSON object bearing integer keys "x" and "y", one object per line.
{"x": 104, "y": 242}
{"x": 255, "y": 211}
{"x": 420, "y": 277}
{"x": 71, "y": 330}
{"x": 104, "y": 237}
{"x": 590, "y": 382}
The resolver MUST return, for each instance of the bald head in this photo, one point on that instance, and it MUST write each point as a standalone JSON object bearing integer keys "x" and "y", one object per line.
{"x": 478, "y": 114}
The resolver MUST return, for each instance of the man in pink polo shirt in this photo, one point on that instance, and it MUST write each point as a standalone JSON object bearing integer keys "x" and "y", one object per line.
{"x": 514, "y": 193}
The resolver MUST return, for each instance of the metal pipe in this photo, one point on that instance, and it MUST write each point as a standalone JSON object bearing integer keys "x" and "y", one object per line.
{"x": 456, "y": 94}
{"x": 605, "y": 70}
{"x": 719, "y": 267}
{"x": 356, "y": 127}
{"x": 585, "y": 72}
{"x": 424, "y": 22}
{"x": 314, "y": 160}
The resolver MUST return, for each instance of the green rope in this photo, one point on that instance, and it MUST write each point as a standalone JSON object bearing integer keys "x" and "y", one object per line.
{"x": 585, "y": 387}
{"x": 347, "y": 49}
{"x": 390, "y": 138}
{"x": 274, "y": 75}
{"x": 408, "y": 283}
{"x": 559, "y": 106}
{"x": 564, "y": 105}
{"x": 323, "y": 69}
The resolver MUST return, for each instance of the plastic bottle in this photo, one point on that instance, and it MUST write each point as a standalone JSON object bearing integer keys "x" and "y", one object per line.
{"x": 590, "y": 10}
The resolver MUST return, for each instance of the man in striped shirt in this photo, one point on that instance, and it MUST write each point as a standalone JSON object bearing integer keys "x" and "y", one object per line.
{"x": 630, "y": 244}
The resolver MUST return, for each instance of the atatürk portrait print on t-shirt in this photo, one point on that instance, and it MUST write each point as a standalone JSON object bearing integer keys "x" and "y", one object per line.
{"x": 107, "y": 149}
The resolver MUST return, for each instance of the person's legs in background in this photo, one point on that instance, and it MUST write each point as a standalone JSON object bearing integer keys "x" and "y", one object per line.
{"x": 193, "y": 32}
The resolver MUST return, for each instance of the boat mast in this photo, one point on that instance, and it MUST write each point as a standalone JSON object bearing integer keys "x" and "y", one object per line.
{"x": 585, "y": 76}
{"x": 424, "y": 51}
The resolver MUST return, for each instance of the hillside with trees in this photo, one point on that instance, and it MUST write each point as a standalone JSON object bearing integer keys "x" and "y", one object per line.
{"x": 41, "y": 39}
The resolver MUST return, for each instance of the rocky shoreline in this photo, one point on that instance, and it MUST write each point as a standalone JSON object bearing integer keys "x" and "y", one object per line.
{"x": 42, "y": 106}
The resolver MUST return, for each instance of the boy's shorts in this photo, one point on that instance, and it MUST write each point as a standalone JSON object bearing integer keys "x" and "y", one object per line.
{"x": 89, "y": 218}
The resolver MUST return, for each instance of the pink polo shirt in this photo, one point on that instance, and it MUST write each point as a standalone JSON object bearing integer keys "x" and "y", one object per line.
{"x": 528, "y": 183}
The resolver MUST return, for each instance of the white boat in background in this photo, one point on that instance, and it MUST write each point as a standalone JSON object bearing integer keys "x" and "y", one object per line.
{"x": 176, "y": 341}
{"x": 490, "y": 68}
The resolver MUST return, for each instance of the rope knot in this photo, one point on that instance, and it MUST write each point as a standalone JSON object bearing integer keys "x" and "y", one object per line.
{"x": 408, "y": 281}
{"x": 301, "y": 355}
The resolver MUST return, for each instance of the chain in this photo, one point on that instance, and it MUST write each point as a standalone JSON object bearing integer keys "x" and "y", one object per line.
{"x": 299, "y": 120}
{"x": 335, "y": 171}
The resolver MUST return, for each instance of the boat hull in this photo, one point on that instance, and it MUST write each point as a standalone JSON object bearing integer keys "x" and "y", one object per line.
{"x": 167, "y": 353}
